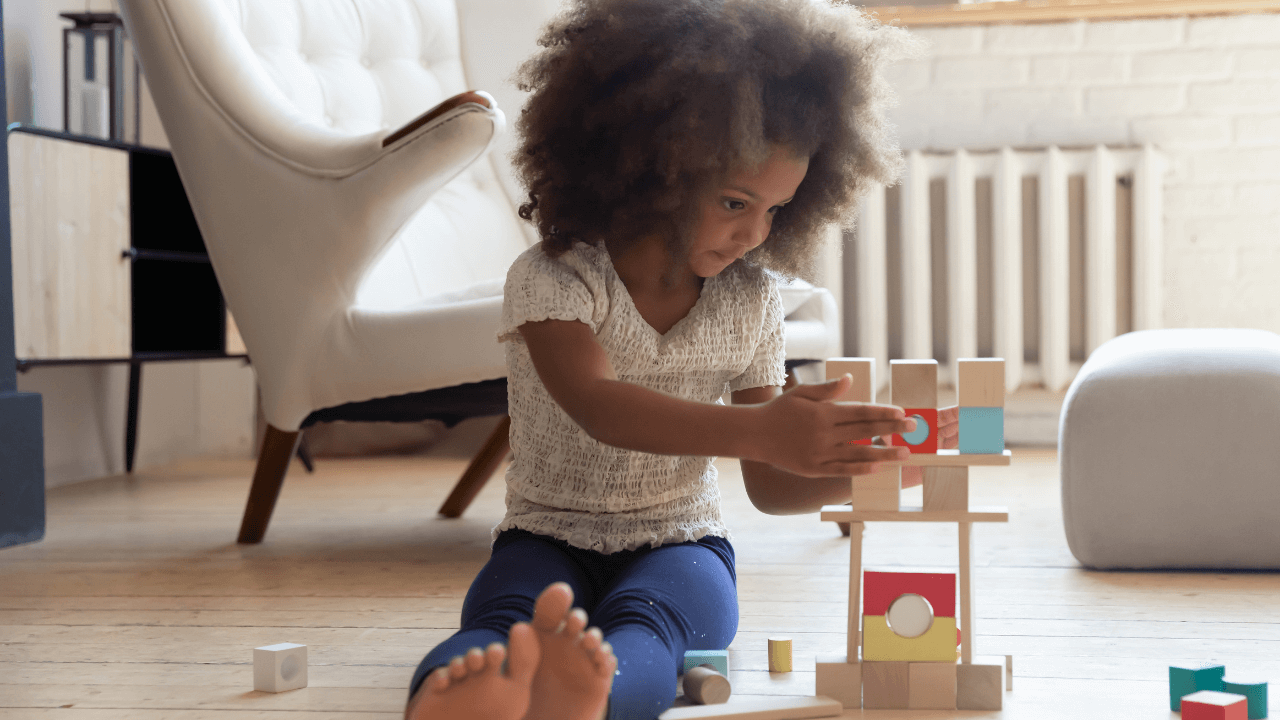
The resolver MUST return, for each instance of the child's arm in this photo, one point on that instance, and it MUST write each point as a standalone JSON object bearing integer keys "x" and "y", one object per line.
{"x": 798, "y": 431}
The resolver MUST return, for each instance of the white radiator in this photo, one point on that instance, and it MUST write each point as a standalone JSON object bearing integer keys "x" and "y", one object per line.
{"x": 869, "y": 325}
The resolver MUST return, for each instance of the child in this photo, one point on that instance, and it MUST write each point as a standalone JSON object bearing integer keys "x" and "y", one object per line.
{"x": 663, "y": 142}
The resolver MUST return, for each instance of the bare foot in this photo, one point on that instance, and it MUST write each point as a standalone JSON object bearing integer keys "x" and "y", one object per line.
{"x": 475, "y": 688}
{"x": 576, "y": 672}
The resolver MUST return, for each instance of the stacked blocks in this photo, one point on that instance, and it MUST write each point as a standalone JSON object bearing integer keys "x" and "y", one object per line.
{"x": 980, "y": 388}
{"x": 718, "y": 659}
{"x": 909, "y": 617}
{"x": 1256, "y": 692}
{"x": 1186, "y": 680}
{"x": 1213, "y": 705}
{"x": 915, "y": 390}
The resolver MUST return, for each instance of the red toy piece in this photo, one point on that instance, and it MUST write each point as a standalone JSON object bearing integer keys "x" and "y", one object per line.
{"x": 1213, "y": 705}
{"x": 880, "y": 589}
{"x": 928, "y": 444}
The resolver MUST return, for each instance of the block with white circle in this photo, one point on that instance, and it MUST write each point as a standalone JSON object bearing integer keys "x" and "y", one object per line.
{"x": 280, "y": 667}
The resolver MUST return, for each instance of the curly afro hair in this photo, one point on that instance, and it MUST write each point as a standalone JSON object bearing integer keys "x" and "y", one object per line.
{"x": 637, "y": 106}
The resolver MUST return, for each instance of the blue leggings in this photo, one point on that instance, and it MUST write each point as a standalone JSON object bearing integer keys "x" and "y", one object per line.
{"x": 652, "y": 604}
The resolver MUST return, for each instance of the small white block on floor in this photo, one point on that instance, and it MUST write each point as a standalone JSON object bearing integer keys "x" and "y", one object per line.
{"x": 277, "y": 668}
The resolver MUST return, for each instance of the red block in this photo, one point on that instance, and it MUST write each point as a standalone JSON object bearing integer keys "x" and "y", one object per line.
{"x": 930, "y": 444}
{"x": 880, "y": 589}
{"x": 1213, "y": 705}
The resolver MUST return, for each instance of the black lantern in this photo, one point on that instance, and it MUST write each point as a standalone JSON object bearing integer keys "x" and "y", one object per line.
{"x": 99, "y": 78}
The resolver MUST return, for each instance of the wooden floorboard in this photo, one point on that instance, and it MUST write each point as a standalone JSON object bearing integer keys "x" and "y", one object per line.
{"x": 140, "y": 605}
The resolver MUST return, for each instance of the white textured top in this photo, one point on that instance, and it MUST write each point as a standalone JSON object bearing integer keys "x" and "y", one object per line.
{"x": 565, "y": 484}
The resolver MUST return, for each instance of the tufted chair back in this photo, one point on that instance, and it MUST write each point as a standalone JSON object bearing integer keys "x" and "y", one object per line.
{"x": 359, "y": 262}
{"x": 359, "y": 66}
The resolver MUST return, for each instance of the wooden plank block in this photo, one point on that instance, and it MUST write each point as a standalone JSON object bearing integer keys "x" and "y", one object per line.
{"x": 946, "y": 488}
{"x": 760, "y": 709}
{"x": 863, "y": 370}
{"x": 886, "y": 685}
{"x": 978, "y": 687}
{"x": 980, "y": 382}
{"x": 70, "y": 217}
{"x": 880, "y": 643}
{"x": 853, "y": 636}
{"x": 966, "y": 593}
{"x": 879, "y": 491}
{"x": 779, "y": 655}
{"x": 915, "y": 383}
{"x": 914, "y": 513}
{"x": 839, "y": 679}
{"x": 932, "y": 686}
{"x": 956, "y": 458}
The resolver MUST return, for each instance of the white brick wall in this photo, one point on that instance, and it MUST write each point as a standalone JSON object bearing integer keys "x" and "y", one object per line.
{"x": 1205, "y": 90}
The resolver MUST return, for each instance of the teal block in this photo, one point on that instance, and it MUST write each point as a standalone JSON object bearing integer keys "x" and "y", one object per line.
{"x": 719, "y": 659}
{"x": 982, "y": 430}
{"x": 1186, "y": 680}
{"x": 1255, "y": 691}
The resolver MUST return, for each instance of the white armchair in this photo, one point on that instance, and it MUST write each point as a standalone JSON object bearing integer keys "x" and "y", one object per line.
{"x": 337, "y": 168}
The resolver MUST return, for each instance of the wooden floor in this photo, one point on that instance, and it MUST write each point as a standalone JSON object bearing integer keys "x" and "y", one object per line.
{"x": 139, "y": 604}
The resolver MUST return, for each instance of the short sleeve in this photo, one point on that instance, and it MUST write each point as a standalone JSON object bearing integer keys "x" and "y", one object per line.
{"x": 570, "y": 287}
{"x": 768, "y": 367}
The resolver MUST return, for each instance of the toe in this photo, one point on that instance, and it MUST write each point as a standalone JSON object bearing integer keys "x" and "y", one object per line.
{"x": 457, "y": 668}
{"x": 592, "y": 639}
{"x": 475, "y": 661}
{"x": 552, "y": 606}
{"x": 575, "y": 622}
{"x": 523, "y": 653}
{"x": 494, "y": 655}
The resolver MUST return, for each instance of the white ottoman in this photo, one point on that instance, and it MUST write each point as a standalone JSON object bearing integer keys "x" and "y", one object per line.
{"x": 1169, "y": 447}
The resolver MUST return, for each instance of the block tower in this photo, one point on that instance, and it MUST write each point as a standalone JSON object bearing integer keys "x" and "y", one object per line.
{"x": 909, "y": 661}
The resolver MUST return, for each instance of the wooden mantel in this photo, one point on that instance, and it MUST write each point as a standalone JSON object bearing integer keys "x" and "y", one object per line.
{"x": 1033, "y": 11}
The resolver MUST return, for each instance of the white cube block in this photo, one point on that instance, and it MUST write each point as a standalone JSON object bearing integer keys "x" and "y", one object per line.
{"x": 277, "y": 668}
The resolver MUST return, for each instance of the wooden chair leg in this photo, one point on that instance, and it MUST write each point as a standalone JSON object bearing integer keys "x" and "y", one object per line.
{"x": 273, "y": 463}
{"x": 482, "y": 467}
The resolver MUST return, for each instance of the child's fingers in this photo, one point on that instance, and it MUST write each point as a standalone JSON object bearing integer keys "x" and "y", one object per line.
{"x": 869, "y": 454}
{"x": 860, "y": 430}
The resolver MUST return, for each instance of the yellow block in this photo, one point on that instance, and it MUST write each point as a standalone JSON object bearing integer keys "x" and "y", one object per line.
{"x": 937, "y": 644}
{"x": 779, "y": 655}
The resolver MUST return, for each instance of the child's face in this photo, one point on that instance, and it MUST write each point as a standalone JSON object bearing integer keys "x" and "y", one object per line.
{"x": 735, "y": 217}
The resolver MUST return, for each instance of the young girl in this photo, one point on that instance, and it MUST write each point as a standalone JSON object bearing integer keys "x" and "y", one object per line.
{"x": 664, "y": 141}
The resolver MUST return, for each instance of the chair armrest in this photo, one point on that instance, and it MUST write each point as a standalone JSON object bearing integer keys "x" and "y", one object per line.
{"x": 476, "y": 97}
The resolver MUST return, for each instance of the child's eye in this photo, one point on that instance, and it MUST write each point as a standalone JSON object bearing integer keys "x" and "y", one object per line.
{"x": 731, "y": 204}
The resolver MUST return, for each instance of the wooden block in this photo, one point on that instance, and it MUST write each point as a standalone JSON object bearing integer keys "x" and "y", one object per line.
{"x": 978, "y": 687}
{"x": 981, "y": 430}
{"x": 281, "y": 667}
{"x": 881, "y": 643}
{"x": 760, "y": 709}
{"x": 718, "y": 659}
{"x": 924, "y": 439}
{"x": 880, "y": 589}
{"x": 853, "y": 638}
{"x": 880, "y": 491}
{"x": 705, "y": 686}
{"x": 956, "y": 458}
{"x": 1253, "y": 689}
{"x": 780, "y": 655}
{"x": 1214, "y": 705}
{"x": 980, "y": 382}
{"x": 915, "y": 383}
{"x": 1184, "y": 680}
{"x": 863, "y": 371}
{"x": 914, "y": 513}
{"x": 946, "y": 488}
{"x": 837, "y": 678}
{"x": 932, "y": 686}
{"x": 967, "y": 613}
{"x": 886, "y": 685}
{"x": 1008, "y": 672}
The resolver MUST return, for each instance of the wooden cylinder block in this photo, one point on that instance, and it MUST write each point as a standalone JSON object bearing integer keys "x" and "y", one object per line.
{"x": 779, "y": 655}
{"x": 705, "y": 686}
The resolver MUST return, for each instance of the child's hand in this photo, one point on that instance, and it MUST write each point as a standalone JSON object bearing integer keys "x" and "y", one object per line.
{"x": 808, "y": 434}
{"x": 948, "y": 438}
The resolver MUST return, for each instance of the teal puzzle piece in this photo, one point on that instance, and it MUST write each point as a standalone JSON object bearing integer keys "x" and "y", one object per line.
{"x": 981, "y": 430}
{"x": 719, "y": 659}
{"x": 1186, "y": 680}
{"x": 1255, "y": 691}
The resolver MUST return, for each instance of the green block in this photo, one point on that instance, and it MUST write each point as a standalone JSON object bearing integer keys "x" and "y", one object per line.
{"x": 1255, "y": 691}
{"x": 1193, "y": 678}
{"x": 719, "y": 659}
